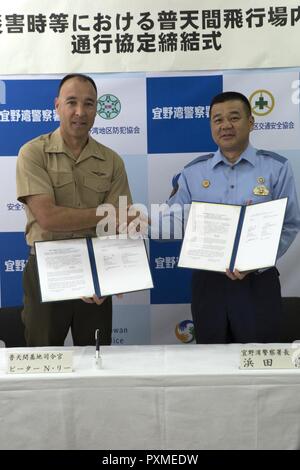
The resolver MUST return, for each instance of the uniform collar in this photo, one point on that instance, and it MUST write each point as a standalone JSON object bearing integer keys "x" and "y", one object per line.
{"x": 56, "y": 144}
{"x": 249, "y": 155}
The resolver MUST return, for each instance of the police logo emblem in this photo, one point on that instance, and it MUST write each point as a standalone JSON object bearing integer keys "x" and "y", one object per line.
{"x": 261, "y": 190}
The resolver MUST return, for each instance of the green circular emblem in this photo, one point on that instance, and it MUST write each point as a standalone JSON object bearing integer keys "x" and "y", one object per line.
{"x": 108, "y": 106}
{"x": 262, "y": 102}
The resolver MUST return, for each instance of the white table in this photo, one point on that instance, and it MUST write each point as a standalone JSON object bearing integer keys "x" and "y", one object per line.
{"x": 152, "y": 397}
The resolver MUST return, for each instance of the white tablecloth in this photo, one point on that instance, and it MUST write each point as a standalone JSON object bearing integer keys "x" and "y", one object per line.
{"x": 152, "y": 397}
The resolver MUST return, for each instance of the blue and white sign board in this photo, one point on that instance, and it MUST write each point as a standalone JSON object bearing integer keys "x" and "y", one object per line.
{"x": 157, "y": 123}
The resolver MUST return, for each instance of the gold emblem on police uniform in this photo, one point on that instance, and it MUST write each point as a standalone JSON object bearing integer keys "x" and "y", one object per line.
{"x": 205, "y": 183}
{"x": 261, "y": 180}
{"x": 261, "y": 190}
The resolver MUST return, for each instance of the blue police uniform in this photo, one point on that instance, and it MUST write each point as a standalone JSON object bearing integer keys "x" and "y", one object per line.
{"x": 249, "y": 310}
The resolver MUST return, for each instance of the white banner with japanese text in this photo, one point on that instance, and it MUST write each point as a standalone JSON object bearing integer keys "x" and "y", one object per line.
{"x": 147, "y": 35}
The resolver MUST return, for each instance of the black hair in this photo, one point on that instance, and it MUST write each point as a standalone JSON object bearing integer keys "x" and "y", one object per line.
{"x": 229, "y": 96}
{"x": 80, "y": 76}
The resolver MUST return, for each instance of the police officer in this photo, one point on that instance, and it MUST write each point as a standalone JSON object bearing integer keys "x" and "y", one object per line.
{"x": 239, "y": 306}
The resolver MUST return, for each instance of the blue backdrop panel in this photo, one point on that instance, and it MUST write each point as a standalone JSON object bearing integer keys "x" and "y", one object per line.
{"x": 172, "y": 285}
{"x": 180, "y": 134}
{"x": 26, "y": 98}
{"x": 13, "y": 256}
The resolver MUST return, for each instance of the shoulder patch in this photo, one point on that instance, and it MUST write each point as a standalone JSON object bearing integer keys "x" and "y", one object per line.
{"x": 274, "y": 155}
{"x": 202, "y": 158}
{"x": 175, "y": 178}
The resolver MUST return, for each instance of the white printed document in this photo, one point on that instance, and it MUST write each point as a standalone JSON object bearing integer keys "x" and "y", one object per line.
{"x": 224, "y": 236}
{"x": 75, "y": 268}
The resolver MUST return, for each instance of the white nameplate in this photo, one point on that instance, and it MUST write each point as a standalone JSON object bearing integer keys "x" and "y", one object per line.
{"x": 38, "y": 362}
{"x": 269, "y": 358}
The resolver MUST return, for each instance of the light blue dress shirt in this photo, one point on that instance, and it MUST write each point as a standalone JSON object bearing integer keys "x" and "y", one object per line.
{"x": 212, "y": 178}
